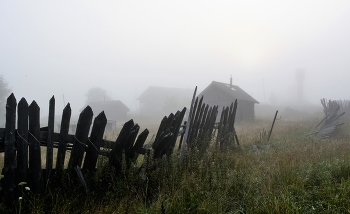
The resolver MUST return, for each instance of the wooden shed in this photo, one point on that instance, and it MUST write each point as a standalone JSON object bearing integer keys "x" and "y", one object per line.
{"x": 115, "y": 110}
{"x": 163, "y": 100}
{"x": 223, "y": 94}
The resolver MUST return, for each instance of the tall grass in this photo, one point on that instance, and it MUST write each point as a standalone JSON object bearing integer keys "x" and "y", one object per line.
{"x": 293, "y": 173}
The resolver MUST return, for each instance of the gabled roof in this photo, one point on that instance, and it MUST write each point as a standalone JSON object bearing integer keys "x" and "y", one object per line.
{"x": 156, "y": 92}
{"x": 117, "y": 105}
{"x": 232, "y": 90}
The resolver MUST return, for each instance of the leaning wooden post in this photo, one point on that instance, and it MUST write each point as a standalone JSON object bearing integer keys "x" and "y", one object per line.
{"x": 197, "y": 122}
{"x": 49, "y": 146}
{"x": 22, "y": 141}
{"x": 194, "y": 107}
{"x": 182, "y": 135}
{"x": 273, "y": 123}
{"x": 194, "y": 126}
{"x": 35, "y": 170}
{"x": 184, "y": 145}
{"x": 80, "y": 138}
{"x": 96, "y": 136}
{"x": 62, "y": 145}
{"x": 138, "y": 146}
{"x": 177, "y": 129}
{"x": 10, "y": 150}
{"x": 204, "y": 121}
{"x": 115, "y": 156}
{"x": 214, "y": 114}
{"x": 219, "y": 128}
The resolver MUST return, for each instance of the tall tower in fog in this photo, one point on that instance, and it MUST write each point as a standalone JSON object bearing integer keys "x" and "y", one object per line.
{"x": 300, "y": 76}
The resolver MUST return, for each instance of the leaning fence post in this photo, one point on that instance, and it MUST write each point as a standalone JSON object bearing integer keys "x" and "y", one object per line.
{"x": 62, "y": 145}
{"x": 273, "y": 123}
{"x": 96, "y": 136}
{"x": 115, "y": 156}
{"x": 184, "y": 145}
{"x": 80, "y": 138}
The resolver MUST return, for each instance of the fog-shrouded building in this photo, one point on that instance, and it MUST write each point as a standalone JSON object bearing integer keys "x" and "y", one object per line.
{"x": 157, "y": 100}
{"x": 223, "y": 94}
{"x": 115, "y": 111}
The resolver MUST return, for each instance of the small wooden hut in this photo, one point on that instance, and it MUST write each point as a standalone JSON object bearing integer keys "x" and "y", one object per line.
{"x": 115, "y": 110}
{"x": 223, "y": 94}
{"x": 157, "y": 100}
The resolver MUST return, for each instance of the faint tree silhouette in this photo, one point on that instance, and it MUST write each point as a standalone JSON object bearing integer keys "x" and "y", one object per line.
{"x": 97, "y": 94}
{"x": 4, "y": 93}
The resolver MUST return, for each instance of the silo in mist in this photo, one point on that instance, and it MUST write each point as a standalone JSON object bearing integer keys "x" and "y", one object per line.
{"x": 300, "y": 76}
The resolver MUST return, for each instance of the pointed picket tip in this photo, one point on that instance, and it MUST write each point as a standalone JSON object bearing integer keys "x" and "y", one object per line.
{"x": 87, "y": 111}
{"x": 12, "y": 96}
{"x": 52, "y": 100}
{"x": 11, "y": 99}
{"x": 131, "y": 121}
{"x": 201, "y": 99}
{"x": 34, "y": 105}
{"x": 101, "y": 116}
{"x": 23, "y": 101}
{"x": 67, "y": 108}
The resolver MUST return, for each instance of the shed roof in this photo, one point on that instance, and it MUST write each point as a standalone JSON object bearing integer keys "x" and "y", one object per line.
{"x": 108, "y": 105}
{"x": 232, "y": 90}
{"x": 156, "y": 92}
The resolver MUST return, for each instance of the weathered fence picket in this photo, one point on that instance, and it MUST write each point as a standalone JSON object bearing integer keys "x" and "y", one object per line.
{"x": 204, "y": 120}
{"x": 138, "y": 146}
{"x": 49, "y": 146}
{"x": 35, "y": 170}
{"x": 81, "y": 137}
{"x": 10, "y": 150}
{"x": 93, "y": 143}
{"x": 63, "y": 138}
{"x": 115, "y": 157}
{"x": 183, "y": 146}
{"x": 22, "y": 141}
{"x": 193, "y": 118}
{"x": 178, "y": 120}
{"x": 130, "y": 143}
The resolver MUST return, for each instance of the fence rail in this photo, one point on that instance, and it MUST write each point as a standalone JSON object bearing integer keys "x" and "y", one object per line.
{"x": 22, "y": 146}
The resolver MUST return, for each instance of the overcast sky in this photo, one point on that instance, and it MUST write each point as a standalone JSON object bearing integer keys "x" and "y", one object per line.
{"x": 66, "y": 47}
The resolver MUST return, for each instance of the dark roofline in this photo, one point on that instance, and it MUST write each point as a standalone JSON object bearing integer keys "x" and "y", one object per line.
{"x": 107, "y": 102}
{"x": 227, "y": 88}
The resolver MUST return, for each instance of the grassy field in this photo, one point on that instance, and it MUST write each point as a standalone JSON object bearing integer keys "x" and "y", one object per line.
{"x": 293, "y": 173}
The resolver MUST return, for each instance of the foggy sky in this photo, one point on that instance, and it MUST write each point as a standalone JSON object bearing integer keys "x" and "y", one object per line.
{"x": 63, "y": 48}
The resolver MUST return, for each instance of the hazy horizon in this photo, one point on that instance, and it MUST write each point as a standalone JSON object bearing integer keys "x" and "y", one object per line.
{"x": 64, "y": 48}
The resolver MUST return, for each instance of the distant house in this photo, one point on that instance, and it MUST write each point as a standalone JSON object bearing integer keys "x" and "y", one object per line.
{"x": 114, "y": 110}
{"x": 223, "y": 94}
{"x": 162, "y": 100}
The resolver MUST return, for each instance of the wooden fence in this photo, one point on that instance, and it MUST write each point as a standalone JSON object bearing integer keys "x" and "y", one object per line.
{"x": 29, "y": 138}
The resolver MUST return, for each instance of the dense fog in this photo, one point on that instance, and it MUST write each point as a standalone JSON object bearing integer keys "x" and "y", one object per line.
{"x": 64, "y": 48}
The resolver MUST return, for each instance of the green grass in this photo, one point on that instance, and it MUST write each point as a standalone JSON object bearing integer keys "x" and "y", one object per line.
{"x": 293, "y": 173}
